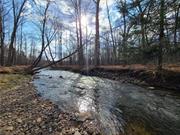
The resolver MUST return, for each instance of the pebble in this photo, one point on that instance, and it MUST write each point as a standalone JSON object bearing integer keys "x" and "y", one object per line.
{"x": 85, "y": 133}
{"x": 14, "y": 100}
{"x": 36, "y": 77}
{"x": 77, "y": 133}
{"x": 19, "y": 120}
{"x": 61, "y": 77}
{"x": 9, "y": 128}
{"x": 50, "y": 129}
{"x": 82, "y": 117}
{"x": 35, "y": 119}
{"x": 151, "y": 88}
{"x": 39, "y": 120}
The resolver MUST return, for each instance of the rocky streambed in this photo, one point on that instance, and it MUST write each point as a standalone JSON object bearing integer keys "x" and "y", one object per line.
{"x": 114, "y": 107}
{"x": 59, "y": 102}
{"x": 24, "y": 112}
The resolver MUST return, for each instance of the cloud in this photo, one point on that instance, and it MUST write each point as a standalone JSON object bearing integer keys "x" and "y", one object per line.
{"x": 63, "y": 10}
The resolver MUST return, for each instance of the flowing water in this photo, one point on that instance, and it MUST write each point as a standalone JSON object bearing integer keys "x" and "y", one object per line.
{"x": 112, "y": 103}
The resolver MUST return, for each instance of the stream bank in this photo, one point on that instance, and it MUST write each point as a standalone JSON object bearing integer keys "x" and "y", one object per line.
{"x": 26, "y": 111}
{"x": 139, "y": 76}
{"x": 23, "y": 111}
{"x": 116, "y": 108}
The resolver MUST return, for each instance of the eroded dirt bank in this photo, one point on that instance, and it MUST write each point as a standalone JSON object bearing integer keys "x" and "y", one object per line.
{"x": 143, "y": 76}
{"x": 23, "y": 111}
{"x": 117, "y": 106}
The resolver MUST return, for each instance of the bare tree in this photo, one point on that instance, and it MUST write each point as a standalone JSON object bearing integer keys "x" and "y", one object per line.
{"x": 81, "y": 55}
{"x": 77, "y": 7}
{"x": 111, "y": 33}
{"x": 97, "y": 39}
{"x": 17, "y": 15}
{"x": 123, "y": 9}
{"x": 1, "y": 34}
{"x": 42, "y": 28}
{"x": 176, "y": 24}
{"x": 60, "y": 44}
{"x": 161, "y": 35}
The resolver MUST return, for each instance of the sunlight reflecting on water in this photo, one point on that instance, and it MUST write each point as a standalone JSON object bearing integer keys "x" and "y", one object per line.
{"x": 85, "y": 104}
{"x": 112, "y": 104}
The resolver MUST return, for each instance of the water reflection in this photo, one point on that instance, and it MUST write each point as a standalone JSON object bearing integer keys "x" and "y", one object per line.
{"x": 112, "y": 104}
{"x": 85, "y": 104}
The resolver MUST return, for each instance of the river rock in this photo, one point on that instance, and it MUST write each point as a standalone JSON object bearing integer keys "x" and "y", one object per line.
{"x": 2, "y": 132}
{"x": 151, "y": 88}
{"x": 50, "y": 129}
{"x": 85, "y": 133}
{"x": 61, "y": 77}
{"x": 9, "y": 128}
{"x": 77, "y": 133}
{"x": 81, "y": 117}
{"x": 36, "y": 77}
{"x": 142, "y": 83}
{"x": 19, "y": 120}
{"x": 39, "y": 120}
{"x": 79, "y": 87}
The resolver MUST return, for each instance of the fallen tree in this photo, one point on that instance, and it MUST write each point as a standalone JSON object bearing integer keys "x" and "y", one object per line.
{"x": 33, "y": 69}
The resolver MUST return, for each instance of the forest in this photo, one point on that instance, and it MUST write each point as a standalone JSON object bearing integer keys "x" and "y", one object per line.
{"x": 97, "y": 33}
{"x": 90, "y": 67}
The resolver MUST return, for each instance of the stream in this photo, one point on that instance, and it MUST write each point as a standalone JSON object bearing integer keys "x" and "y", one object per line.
{"x": 112, "y": 103}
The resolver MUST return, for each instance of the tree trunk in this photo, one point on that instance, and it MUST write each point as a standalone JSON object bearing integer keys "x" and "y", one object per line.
{"x": 81, "y": 55}
{"x": 142, "y": 31}
{"x": 112, "y": 37}
{"x": 176, "y": 25}
{"x": 161, "y": 36}
{"x": 11, "y": 48}
{"x": 43, "y": 47}
{"x": 124, "y": 31}
{"x": 97, "y": 40}
{"x": 107, "y": 51}
{"x": 60, "y": 45}
{"x": 13, "y": 35}
{"x": 2, "y": 50}
{"x": 2, "y": 39}
{"x": 77, "y": 36}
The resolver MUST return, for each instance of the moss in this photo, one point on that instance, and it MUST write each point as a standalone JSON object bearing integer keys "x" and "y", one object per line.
{"x": 9, "y": 81}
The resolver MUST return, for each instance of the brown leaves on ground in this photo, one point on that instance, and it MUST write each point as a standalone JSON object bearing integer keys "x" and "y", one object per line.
{"x": 10, "y": 81}
{"x": 22, "y": 112}
{"x": 151, "y": 67}
{"x": 12, "y": 69}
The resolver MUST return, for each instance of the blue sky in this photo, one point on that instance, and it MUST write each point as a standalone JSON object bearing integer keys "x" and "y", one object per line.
{"x": 63, "y": 9}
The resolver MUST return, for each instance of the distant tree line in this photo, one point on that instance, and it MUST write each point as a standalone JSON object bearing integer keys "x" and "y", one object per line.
{"x": 147, "y": 31}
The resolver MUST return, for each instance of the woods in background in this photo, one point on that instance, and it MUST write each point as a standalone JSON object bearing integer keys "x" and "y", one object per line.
{"x": 138, "y": 31}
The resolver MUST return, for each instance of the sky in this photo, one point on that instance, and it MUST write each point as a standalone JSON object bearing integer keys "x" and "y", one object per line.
{"x": 64, "y": 11}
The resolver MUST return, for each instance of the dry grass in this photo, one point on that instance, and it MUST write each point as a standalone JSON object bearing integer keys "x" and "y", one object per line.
{"x": 149, "y": 67}
{"x": 9, "y": 81}
{"x": 170, "y": 67}
{"x": 173, "y": 67}
{"x": 9, "y": 77}
{"x": 13, "y": 69}
{"x": 120, "y": 67}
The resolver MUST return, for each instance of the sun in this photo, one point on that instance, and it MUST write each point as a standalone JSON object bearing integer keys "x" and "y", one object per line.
{"x": 86, "y": 24}
{"x": 84, "y": 20}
